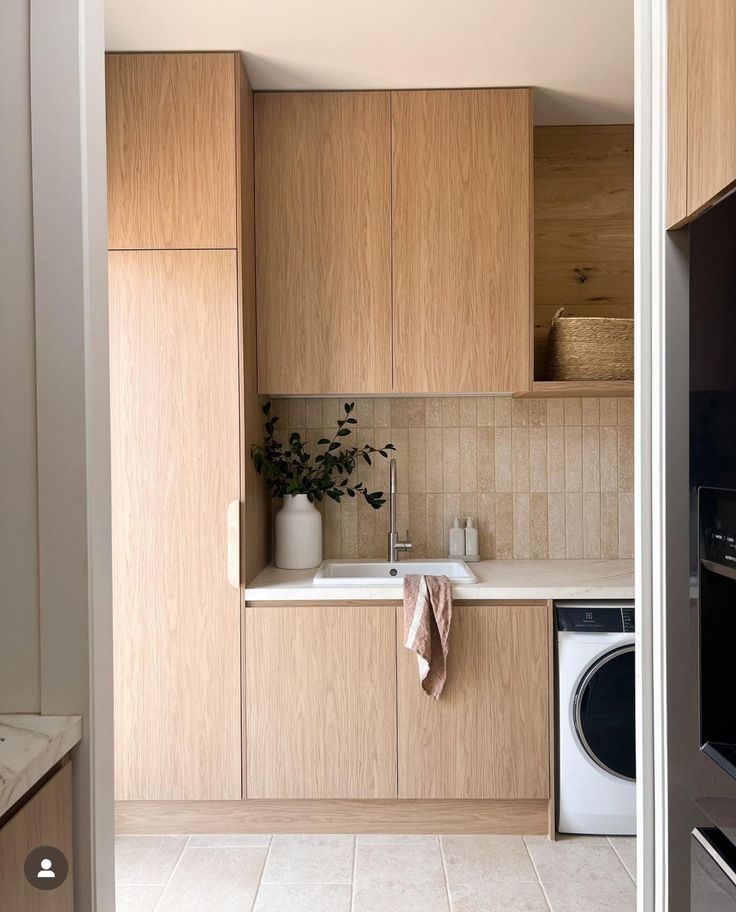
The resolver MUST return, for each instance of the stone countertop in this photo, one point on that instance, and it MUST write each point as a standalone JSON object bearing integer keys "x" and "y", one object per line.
{"x": 497, "y": 579}
{"x": 30, "y": 745}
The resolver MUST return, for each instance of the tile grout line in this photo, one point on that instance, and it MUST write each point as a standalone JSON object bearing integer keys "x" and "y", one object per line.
{"x": 536, "y": 871}
{"x": 444, "y": 872}
{"x": 260, "y": 879}
{"x": 623, "y": 863}
{"x": 352, "y": 876}
{"x": 171, "y": 876}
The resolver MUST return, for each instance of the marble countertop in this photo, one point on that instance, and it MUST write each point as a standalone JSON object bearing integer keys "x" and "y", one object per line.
{"x": 497, "y": 579}
{"x": 29, "y": 746}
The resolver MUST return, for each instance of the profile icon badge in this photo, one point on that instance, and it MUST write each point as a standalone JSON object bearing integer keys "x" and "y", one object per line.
{"x": 46, "y": 868}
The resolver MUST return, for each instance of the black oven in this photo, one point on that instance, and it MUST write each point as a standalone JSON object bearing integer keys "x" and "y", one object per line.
{"x": 717, "y": 609}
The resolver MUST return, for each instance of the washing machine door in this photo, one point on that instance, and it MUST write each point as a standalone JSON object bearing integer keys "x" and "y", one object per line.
{"x": 603, "y": 710}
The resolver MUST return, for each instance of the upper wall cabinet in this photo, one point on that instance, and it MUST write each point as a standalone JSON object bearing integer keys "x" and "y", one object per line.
{"x": 323, "y": 242}
{"x": 393, "y": 241}
{"x": 171, "y": 154}
{"x": 462, "y": 217}
{"x": 701, "y": 105}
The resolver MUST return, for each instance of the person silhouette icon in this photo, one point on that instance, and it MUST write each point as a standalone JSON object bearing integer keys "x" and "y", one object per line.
{"x": 46, "y": 869}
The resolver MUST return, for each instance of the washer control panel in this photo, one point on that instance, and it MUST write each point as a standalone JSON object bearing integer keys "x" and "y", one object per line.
{"x": 591, "y": 618}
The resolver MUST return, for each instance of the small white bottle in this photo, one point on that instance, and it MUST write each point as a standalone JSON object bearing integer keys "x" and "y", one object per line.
{"x": 457, "y": 539}
{"x": 472, "y": 551}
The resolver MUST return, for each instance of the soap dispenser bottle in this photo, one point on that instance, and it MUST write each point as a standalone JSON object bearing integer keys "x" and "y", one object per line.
{"x": 457, "y": 539}
{"x": 472, "y": 551}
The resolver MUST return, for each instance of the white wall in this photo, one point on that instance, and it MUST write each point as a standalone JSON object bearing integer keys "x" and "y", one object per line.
{"x": 19, "y": 599}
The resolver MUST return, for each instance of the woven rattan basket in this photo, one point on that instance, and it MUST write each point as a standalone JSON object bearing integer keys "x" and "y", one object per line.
{"x": 590, "y": 348}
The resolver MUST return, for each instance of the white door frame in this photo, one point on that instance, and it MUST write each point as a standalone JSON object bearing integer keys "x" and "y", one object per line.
{"x": 73, "y": 409}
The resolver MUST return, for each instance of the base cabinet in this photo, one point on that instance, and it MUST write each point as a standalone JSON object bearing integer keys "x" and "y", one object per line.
{"x": 320, "y": 698}
{"x": 45, "y": 820}
{"x": 487, "y": 737}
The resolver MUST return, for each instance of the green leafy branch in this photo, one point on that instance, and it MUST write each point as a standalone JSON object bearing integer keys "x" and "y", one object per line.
{"x": 290, "y": 469}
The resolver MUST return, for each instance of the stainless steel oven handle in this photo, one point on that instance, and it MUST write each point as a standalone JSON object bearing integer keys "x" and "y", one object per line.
{"x": 718, "y": 859}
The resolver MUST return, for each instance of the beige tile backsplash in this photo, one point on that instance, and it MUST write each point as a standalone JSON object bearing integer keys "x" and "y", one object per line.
{"x": 543, "y": 478}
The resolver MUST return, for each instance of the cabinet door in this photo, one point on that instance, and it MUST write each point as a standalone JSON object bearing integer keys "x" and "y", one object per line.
{"x": 711, "y": 104}
{"x": 322, "y": 241}
{"x": 462, "y": 190}
{"x": 46, "y": 820}
{"x": 488, "y": 734}
{"x": 320, "y": 697}
{"x": 175, "y": 467}
{"x": 171, "y": 173}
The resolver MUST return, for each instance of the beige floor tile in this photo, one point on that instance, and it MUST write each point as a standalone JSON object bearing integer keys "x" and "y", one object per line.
{"x": 231, "y": 840}
{"x": 481, "y": 859}
{"x": 310, "y": 859}
{"x": 567, "y": 837}
{"x": 498, "y": 897}
{"x": 303, "y": 898}
{"x": 214, "y": 880}
{"x": 618, "y": 895}
{"x": 136, "y": 899}
{"x": 400, "y": 839}
{"x": 401, "y": 896}
{"x": 394, "y": 864}
{"x": 570, "y": 862}
{"x": 146, "y": 860}
{"x": 625, "y": 848}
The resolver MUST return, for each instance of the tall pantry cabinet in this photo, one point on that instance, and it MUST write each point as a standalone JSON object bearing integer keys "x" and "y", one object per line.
{"x": 183, "y": 413}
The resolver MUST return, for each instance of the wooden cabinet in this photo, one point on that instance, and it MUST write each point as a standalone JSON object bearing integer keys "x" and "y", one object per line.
{"x": 462, "y": 217}
{"x": 701, "y": 105}
{"x": 323, "y": 242}
{"x": 393, "y": 241}
{"x": 184, "y": 412}
{"x": 171, "y": 151}
{"x": 320, "y": 692}
{"x": 175, "y": 468}
{"x": 487, "y": 737}
{"x": 46, "y": 819}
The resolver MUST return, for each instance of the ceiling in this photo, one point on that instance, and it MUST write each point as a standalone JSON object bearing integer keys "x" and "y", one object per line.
{"x": 579, "y": 54}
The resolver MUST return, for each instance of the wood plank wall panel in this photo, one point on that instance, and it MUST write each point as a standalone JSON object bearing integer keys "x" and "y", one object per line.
{"x": 711, "y": 101}
{"x": 171, "y": 162}
{"x": 175, "y": 466}
{"x": 583, "y": 225}
{"x": 45, "y": 820}
{"x": 676, "y": 111}
{"x": 461, "y": 240}
{"x": 323, "y": 242}
{"x": 320, "y": 692}
{"x": 488, "y": 734}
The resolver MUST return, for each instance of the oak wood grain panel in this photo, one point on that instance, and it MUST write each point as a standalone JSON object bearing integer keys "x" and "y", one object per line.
{"x": 302, "y": 816}
{"x": 676, "y": 111}
{"x": 487, "y": 737}
{"x": 583, "y": 226}
{"x": 323, "y": 242}
{"x": 711, "y": 101}
{"x": 175, "y": 467}
{"x": 256, "y": 516}
{"x": 320, "y": 691}
{"x": 461, "y": 240}
{"x": 584, "y": 388}
{"x": 46, "y": 819}
{"x": 171, "y": 160}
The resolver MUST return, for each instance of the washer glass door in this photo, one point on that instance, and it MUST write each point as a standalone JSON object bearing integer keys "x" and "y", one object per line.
{"x": 603, "y": 711}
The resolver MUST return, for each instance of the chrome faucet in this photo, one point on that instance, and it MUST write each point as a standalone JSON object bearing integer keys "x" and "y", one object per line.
{"x": 395, "y": 545}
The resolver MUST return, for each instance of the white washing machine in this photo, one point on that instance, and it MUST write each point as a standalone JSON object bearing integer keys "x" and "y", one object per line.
{"x": 596, "y": 745}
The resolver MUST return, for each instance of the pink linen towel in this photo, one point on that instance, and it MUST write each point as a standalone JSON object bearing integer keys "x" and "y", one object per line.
{"x": 427, "y": 619}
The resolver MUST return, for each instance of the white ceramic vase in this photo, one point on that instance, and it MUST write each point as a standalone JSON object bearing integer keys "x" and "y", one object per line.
{"x": 298, "y": 534}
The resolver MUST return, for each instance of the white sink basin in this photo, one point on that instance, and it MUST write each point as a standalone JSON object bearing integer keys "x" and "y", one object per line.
{"x": 371, "y": 572}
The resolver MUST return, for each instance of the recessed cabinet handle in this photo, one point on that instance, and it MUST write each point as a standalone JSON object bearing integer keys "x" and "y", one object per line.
{"x": 233, "y": 543}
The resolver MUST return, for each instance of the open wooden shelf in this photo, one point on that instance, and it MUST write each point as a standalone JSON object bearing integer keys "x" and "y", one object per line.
{"x": 604, "y": 388}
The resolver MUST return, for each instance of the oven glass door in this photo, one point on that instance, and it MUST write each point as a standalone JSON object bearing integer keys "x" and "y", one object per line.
{"x": 712, "y": 883}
